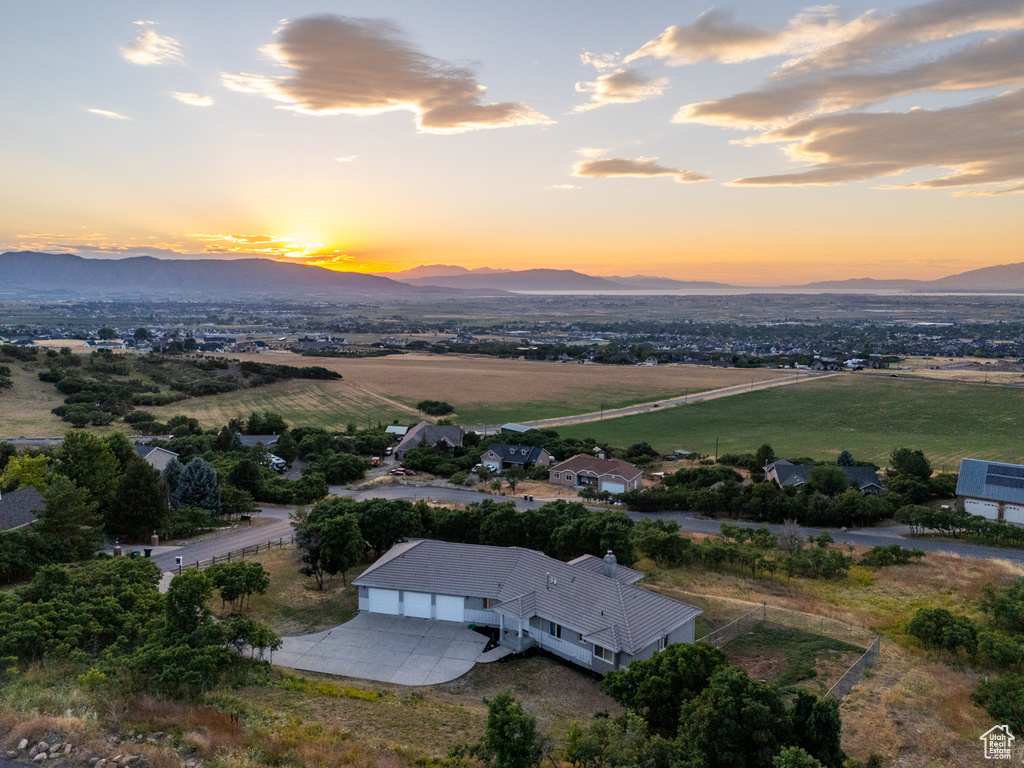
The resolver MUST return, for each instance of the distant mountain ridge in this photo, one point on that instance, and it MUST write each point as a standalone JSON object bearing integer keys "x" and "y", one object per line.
{"x": 29, "y": 272}
{"x": 25, "y": 273}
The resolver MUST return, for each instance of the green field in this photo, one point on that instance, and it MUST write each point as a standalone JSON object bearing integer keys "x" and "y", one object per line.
{"x": 868, "y": 416}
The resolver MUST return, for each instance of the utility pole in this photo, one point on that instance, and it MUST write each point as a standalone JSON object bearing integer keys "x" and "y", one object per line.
{"x": 716, "y": 449}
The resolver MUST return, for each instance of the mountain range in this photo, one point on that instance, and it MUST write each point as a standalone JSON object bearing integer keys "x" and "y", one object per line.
{"x": 28, "y": 273}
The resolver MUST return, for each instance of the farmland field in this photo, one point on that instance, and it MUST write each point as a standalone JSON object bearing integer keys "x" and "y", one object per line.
{"x": 484, "y": 390}
{"x": 868, "y": 416}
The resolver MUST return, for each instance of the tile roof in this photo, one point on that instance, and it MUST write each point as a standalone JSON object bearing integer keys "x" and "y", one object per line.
{"x": 581, "y": 462}
{"x": 18, "y": 508}
{"x": 528, "y": 583}
{"x": 991, "y": 480}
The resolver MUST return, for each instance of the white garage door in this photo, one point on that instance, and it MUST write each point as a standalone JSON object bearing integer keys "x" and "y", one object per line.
{"x": 417, "y": 604}
{"x": 1013, "y": 514}
{"x": 384, "y": 601}
{"x": 614, "y": 487}
{"x": 450, "y": 608}
{"x": 987, "y": 509}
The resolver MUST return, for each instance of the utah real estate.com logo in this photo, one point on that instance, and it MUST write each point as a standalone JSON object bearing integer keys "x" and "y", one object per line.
{"x": 998, "y": 743}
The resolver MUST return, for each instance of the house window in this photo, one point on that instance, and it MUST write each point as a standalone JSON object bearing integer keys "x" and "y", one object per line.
{"x": 604, "y": 654}
{"x": 488, "y": 603}
{"x": 555, "y": 630}
{"x": 663, "y": 643}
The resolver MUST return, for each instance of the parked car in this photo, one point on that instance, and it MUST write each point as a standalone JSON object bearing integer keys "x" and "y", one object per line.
{"x": 375, "y": 461}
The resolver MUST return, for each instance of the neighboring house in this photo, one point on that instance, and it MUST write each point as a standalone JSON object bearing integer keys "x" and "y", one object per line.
{"x": 499, "y": 457}
{"x": 992, "y": 489}
{"x": 157, "y": 458}
{"x": 612, "y": 475}
{"x": 427, "y": 435}
{"x": 586, "y": 610}
{"x": 398, "y": 432}
{"x": 251, "y": 441}
{"x": 521, "y": 429}
{"x": 787, "y": 475}
{"x": 18, "y": 508}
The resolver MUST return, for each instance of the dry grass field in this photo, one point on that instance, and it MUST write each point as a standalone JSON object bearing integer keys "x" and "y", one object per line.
{"x": 25, "y": 408}
{"x": 912, "y": 706}
{"x": 484, "y": 390}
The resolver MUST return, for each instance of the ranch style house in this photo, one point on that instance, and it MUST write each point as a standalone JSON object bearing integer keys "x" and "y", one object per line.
{"x": 583, "y": 471}
{"x": 992, "y": 489}
{"x": 586, "y": 611}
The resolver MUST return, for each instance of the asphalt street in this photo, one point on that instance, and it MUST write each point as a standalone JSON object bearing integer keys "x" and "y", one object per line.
{"x": 230, "y": 540}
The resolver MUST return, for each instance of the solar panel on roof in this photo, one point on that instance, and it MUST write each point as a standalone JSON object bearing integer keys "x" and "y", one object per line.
{"x": 1005, "y": 482}
{"x": 1006, "y": 471}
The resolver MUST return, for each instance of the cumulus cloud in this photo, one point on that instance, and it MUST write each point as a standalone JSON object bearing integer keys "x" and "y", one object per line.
{"x": 150, "y": 47}
{"x": 642, "y": 167}
{"x": 108, "y": 113}
{"x": 981, "y": 143}
{"x": 193, "y": 99}
{"x": 368, "y": 66}
{"x": 621, "y": 86}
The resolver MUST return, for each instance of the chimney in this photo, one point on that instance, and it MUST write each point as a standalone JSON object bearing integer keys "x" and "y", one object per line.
{"x": 610, "y": 565}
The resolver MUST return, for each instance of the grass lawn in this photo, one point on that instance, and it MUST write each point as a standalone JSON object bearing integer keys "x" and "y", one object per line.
{"x": 868, "y": 416}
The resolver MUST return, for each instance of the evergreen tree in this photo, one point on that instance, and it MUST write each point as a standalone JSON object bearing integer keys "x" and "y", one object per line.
{"x": 197, "y": 487}
{"x": 845, "y": 459}
{"x": 817, "y": 728}
{"x": 69, "y": 528}
{"x": 140, "y": 505}
{"x": 170, "y": 475}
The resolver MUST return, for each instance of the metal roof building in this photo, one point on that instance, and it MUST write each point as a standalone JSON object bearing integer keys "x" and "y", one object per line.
{"x": 992, "y": 489}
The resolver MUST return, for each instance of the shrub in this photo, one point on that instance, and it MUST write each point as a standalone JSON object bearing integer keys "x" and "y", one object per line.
{"x": 938, "y": 628}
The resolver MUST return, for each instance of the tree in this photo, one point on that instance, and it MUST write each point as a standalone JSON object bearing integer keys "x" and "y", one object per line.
{"x": 197, "y": 487}
{"x": 185, "y": 603}
{"x": 246, "y": 475}
{"x": 384, "y": 522}
{"x": 237, "y": 582}
{"x": 511, "y": 733}
{"x": 237, "y": 503}
{"x": 141, "y": 334}
{"x": 329, "y": 545}
{"x": 765, "y": 455}
{"x": 656, "y": 687}
{"x": 845, "y": 459}
{"x": 287, "y": 448}
{"x": 69, "y": 528}
{"x": 107, "y": 333}
{"x": 907, "y": 463}
{"x": 89, "y": 462}
{"x": 513, "y": 477}
{"x": 171, "y": 474}
{"x": 735, "y": 722}
{"x": 828, "y": 480}
{"x": 23, "y": 471}
{"x": 816, "y": 727}
{"x": 122, "y": 448}
{"x": 795, "y": 757}
{"x": 139, "y": 506}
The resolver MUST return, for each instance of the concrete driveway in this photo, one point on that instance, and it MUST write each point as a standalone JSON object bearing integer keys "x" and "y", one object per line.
{"x": 392, "y": 649}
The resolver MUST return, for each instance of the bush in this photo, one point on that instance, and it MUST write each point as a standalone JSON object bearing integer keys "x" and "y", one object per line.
{"x": 435, "y": 407}
{"x": 938, "y": 628}
{"x": 1004, "y": 700}
{"x": 894, "y": 554}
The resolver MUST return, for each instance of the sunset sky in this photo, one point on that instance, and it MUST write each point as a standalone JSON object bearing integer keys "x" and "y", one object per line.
{"x": 753, "y": 143}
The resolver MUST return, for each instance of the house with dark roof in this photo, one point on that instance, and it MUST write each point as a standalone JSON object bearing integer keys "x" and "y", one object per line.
{"x": 19, "y": 508}
{"x": 583, "y": 471}
{"x": 788, "y": 475}
{"x": 992, "y": 489}
{"x": 157, "y": 458}
{"x": 444, "y": 437}
{"x": 499, "y": 456}
{"x": 587, "y": 611}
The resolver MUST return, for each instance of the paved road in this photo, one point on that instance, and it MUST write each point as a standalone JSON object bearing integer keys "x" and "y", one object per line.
{"x": 225, "y": 541}
{"x": 867, "y": 537}
{"x": 228, "y": 540}
{"x": 561, "y": 421}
